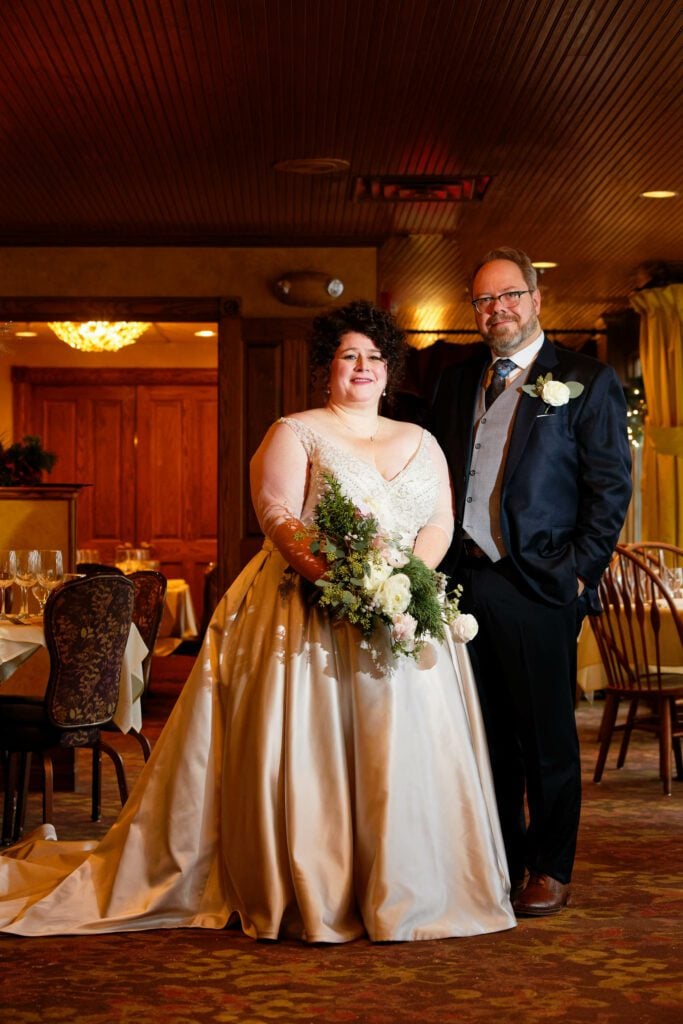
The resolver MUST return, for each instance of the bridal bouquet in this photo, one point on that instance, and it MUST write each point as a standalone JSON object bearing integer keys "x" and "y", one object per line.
{"x": 371, "y": 580}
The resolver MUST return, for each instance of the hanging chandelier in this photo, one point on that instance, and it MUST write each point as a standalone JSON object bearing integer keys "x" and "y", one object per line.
{"x": 98, "y": 335}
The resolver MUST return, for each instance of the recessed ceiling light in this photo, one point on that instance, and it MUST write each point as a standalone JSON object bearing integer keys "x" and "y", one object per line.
{"x": 314, "y": 165}
{"x": 26, "y": 334}
{"x": 205, "y": 334}
{"x": 543, "y": 264}
{"x": 659, "y": 194}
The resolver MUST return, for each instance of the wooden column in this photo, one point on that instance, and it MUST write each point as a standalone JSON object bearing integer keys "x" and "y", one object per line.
{"x": 263, "y": 374}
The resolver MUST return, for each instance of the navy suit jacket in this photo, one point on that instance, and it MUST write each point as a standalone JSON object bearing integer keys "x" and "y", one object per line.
{"x": 567, "y": 476}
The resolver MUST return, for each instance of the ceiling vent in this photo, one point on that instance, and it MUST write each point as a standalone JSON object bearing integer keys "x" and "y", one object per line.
{"x": 423, "y": 189}
{"x": 313, "y": 166}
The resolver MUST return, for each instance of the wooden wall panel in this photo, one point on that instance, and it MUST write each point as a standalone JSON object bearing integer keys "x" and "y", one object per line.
{"x": 205, "y": 467}
{"x": 110, "y": 468}
{"x": 264, "y": 405}
{"x": 148, "y": 453}
{"x": 57, "y": 419}
{"x": 91, "y": 430}
{"x": 232, "y": 496}
{"x": 265, "y": 376}
{"x": 177, "y": 478}
{"x": 161, "y": 438}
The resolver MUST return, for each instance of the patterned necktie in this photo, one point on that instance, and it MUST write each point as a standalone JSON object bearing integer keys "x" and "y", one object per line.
{"x": 501, "y": 370}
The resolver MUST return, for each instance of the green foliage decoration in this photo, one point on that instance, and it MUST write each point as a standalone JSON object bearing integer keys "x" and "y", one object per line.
{"x": 355, "y": 549}
{"x": 23, "y": 462}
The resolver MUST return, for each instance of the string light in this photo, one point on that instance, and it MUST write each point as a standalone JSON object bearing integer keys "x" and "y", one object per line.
{"x": 636, "y": 411}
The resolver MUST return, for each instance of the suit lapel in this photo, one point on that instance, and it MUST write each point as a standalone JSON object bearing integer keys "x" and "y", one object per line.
{"x": 458, "y": 423}
{"x": 527, "y": 410}
{"x": 464, "y": 432}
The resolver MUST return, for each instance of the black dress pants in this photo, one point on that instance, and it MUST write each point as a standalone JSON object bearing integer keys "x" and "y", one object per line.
{"x": 524, "y": 661}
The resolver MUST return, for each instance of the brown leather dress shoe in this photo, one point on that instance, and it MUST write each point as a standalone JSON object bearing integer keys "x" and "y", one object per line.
{"x": 542, "y": 895}
{"x": 517, "y": 887}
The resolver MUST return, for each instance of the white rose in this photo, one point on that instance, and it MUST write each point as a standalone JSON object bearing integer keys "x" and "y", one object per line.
{"x": 403, "y": 628}
{"x": 464, "y": 628}
{"x": 378, "y": 572}
{"x": 555, "y": 393}
{"x": 393, "y": 596}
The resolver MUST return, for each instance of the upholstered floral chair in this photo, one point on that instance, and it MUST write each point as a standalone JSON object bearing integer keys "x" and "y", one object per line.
{"x": 148, "y": 608}
{"x": 97, "y": 569}
{"x": 87, "y": 622}
{"x": 150, "y": 594}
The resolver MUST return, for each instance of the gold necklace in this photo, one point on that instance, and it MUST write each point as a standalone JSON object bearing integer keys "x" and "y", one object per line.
{"x": 372, "y": 436}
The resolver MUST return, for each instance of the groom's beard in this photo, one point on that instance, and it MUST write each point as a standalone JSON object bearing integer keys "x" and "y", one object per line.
{"x": 507, "y": 334}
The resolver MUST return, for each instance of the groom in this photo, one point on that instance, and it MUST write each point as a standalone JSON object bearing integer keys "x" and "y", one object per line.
{"x": 541, "y": 472}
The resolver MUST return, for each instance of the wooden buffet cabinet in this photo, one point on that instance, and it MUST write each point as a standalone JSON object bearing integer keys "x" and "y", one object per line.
{"x": 40, "y": 516}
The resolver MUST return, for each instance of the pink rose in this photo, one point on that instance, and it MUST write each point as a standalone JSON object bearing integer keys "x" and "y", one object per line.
{"x": 403, "y": 628}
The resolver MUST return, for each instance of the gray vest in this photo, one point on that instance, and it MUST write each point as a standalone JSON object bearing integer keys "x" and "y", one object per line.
{"x": 481, "y": 518}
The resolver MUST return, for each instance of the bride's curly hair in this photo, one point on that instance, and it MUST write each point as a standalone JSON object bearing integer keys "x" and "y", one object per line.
{"x": 364, "y": 318}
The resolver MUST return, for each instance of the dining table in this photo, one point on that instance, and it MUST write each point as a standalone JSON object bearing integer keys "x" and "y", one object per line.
{"x": 25, "y": 666}
{"x": 178, "y": 621}
{"x": 590, "y": 672}
{"x": 178, "y": 618}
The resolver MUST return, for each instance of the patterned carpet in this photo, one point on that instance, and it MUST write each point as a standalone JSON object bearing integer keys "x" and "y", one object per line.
{"x": 614, "y": 956}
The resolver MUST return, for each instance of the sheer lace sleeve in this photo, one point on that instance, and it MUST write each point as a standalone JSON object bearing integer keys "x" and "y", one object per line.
{"x": 278, "y": 478}
{"x": 433, "y": 540}
{"x": 278, "y": 475}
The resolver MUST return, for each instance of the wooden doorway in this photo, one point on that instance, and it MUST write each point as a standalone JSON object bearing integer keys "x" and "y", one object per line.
{"x": 225, "y": 312}
{"x": 262, "y": 374}
{"x": 145, "y": 442}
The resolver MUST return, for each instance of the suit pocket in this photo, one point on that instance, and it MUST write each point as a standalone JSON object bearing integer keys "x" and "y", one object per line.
{"x": 560, "y": 535}
{"x": 557, "y": 541}
{"x": 554, "y": 414}
{"x": 560, "y": 543}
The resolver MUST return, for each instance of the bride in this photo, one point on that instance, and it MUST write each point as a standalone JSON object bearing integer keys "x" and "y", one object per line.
{"x": 305, "y": 786}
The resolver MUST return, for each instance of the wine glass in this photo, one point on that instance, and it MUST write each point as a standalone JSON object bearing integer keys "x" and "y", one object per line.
{"x": 50, "y": 574}
{"x": 8, "y": 569}
{"x": 28, "y": 561}
{"x": 41, "y": 594}
{"x": 50, "y": 571}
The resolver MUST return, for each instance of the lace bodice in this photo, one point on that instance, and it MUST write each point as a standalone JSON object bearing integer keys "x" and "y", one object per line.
{"x": 402, "y": 506}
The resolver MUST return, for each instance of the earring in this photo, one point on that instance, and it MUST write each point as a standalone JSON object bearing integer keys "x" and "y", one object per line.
{"x": 384, "y": 393}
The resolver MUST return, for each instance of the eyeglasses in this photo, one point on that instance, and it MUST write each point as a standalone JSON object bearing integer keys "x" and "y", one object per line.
{"x": 507, "y": 299}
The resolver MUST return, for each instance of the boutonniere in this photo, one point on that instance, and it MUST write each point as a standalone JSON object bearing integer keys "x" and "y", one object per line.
{"x": 553, "y": 392}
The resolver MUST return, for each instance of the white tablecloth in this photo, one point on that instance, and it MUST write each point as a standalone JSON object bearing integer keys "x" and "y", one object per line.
{"x": 23, "y": 647}
{"x": 178, "y": 621}
{"x": 178, "y": 618}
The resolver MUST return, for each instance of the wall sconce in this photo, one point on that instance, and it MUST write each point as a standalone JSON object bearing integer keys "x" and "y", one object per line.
{"x": 307, "y": 288}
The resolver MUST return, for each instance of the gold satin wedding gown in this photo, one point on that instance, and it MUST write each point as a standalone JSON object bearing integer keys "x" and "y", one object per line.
{"x": 296, "y": 784}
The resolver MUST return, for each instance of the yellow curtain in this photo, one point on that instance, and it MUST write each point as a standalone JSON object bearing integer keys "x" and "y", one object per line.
{"x": 661, "y": 357}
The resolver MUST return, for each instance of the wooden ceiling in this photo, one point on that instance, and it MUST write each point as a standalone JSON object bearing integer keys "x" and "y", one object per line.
{"x": 140, "y": 122}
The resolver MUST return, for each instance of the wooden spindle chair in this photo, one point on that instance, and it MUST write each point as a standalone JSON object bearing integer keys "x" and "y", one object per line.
{"x": 640, "y": 638}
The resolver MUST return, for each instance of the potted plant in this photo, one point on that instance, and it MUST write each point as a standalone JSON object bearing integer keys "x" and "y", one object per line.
{"x": 23, "y": 463}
